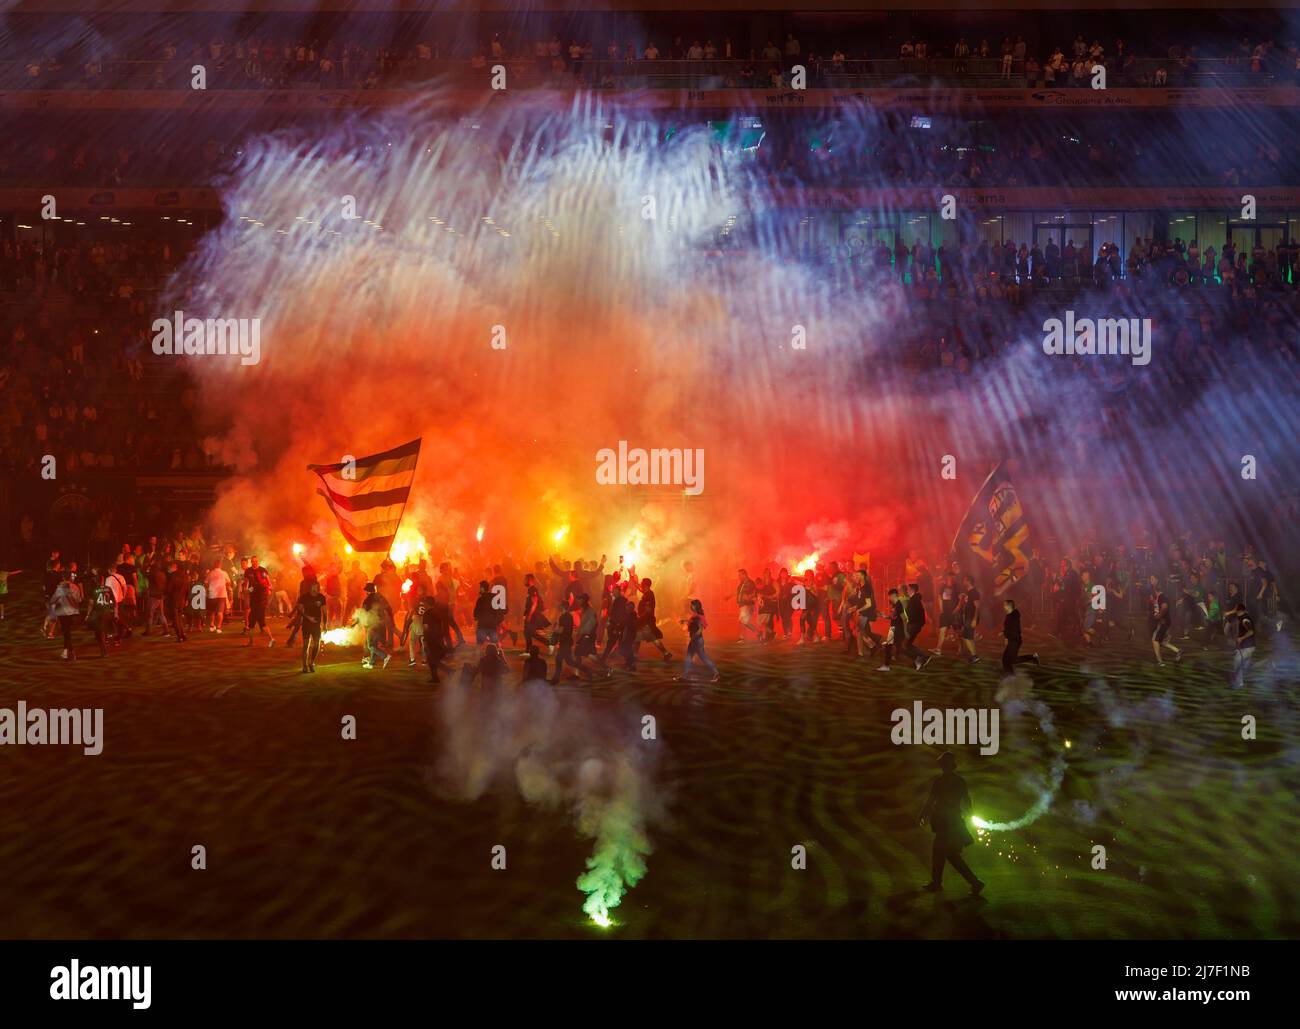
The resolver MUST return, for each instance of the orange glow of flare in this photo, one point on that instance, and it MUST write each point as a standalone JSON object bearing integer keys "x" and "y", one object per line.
{"x": 347, "y": 548}
{"x": 406, "y": 586}
{"x": 408, "y": 543}
{"x": 479, "y": 535}
{"x": 560, "y": 533}
{"x": 808, "y": 563}
{"x": 632, "y": 550}
{"x": 298, "y": 548}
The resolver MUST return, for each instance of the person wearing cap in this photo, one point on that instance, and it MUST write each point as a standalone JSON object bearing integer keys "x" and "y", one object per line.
{"x": 946, "y": 809}
{"x": 375, "y": 615}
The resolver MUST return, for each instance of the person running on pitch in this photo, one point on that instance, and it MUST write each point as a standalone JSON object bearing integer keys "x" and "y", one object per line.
{"x": 312, "y": 618}
{"x": 865, "y": 601}
{"x": 65, "y": 606}
{"x": 629, "y": 638}
{"x": 435, "y": 635}
{"x": 535, "y": 619}
{"x": 647, "y": 623}
{"x": 695, "y": 627}
{"x": 259, "y": 595}
{"x": 1011, "y": 630}
{"x": 914, "y": 611}
{"x": 949, "y": 597}
{"x": 374, "y": 616}
{"x": 946, "y": 809}
{"x": 622, "y": 619}
{"x": 562, "y": 639}
{"x": 1161, "y": 619}
{"x": 897, "y": 623}
{"x": 1245, "y": 644}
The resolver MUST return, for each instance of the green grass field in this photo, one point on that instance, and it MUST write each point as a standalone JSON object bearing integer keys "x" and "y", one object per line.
{"x": 309, "y": 835}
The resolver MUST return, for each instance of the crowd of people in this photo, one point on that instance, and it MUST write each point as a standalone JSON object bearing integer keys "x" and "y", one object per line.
{"x": 364, "y": 52}
{"x": 78, "y": 382}
{"x": 797, "y": 149}
{"x": 588, "y": 615}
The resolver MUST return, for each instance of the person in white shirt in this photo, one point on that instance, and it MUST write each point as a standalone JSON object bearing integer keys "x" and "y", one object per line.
{"x": 218, "y": 585}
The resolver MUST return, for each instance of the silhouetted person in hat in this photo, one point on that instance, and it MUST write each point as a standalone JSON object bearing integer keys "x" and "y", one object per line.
{"x": 946, "y": 810}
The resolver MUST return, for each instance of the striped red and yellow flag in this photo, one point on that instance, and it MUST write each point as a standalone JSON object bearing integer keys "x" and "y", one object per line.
{"x": 368, "y": 495}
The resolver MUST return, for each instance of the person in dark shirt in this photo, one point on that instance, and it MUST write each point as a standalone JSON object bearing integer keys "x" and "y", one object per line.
{"x": 897, "y": 629}
{"x": 259, "y": 595}
{"x": 695, "y": 626}
{"x": 534, "y": 665}
{"x": 628, "y": 641}
{"x": 646, "y": 622}
{"x": 374, "y": 616}
{"x": 312, "y": 617}
{"x": 585, "y": 621}
{"x": 948, "y": 603}
{"x": 492, "y": 666}
{"x": 946, "y": 809}
{"x": 175, "y": 597}
{"x": 622, "y": 618}
{"x": 1245, "y": 646}
{"x": 101, "y": 618}
{"x": 535, "y": 619}
{"x": 562, "y": 639}
{"x": 486, "y": 617}
{"x": 1011, "y": 631}
{"x": 500, "y": 588}
{"x": 157, "y": 596}
{"x": 974, "y": 597}
{"x": 964, "y": 620}
{"x": 915, "y": 614}
{"x": 435, "y": 619}
{"x": 864, "y": 598}
{"x": 1161, "y": 618}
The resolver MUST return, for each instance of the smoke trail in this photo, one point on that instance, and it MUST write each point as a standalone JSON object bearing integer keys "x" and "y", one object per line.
{"x": 561, "y": 752}
{"x": 1047, "y": 786}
